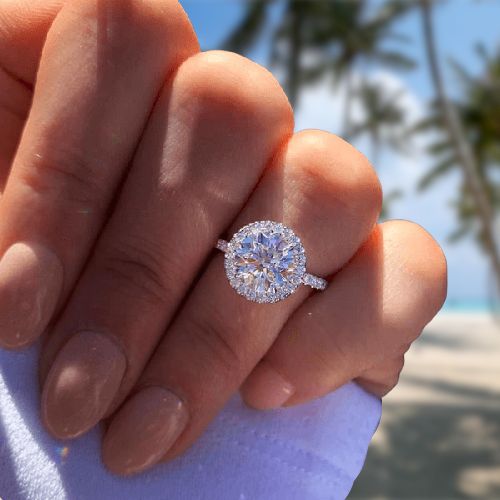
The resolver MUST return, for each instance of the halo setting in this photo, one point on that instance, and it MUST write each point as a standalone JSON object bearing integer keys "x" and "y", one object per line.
{"x": 266, "y": 262}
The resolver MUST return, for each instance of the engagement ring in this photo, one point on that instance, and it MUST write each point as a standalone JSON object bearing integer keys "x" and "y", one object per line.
{"x": 266, "y": 262}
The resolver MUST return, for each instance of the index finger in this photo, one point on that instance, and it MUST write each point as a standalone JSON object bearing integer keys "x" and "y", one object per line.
{"x": 23, "y": 28}
{"x": 99, "y": 76}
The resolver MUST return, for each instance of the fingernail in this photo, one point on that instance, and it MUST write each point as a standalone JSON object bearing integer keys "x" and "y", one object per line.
{"x": 81, "y": 384}
{"x": 31, "y": 278}
{"x": 266, "y": 389}
{"x": 143, "y": 431}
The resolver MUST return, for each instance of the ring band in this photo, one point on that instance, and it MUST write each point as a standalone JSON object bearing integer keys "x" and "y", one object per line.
{"x": 265, "y": 262}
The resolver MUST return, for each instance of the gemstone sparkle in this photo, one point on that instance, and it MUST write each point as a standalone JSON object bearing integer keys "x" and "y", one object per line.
{"x": 265, "y": 261}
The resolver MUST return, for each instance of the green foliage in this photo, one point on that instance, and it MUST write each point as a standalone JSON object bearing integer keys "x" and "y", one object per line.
{"x": 383, "y": 119}
{"x": 479, "y": 110}
{"x": 318, "y": 37}
{"x": 389, "y": 198}
{"x": 342, "y": 38}
{"x": 248, "y": 30}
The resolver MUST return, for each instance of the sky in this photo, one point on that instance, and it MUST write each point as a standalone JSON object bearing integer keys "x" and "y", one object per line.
{"x": 459, "y": 25}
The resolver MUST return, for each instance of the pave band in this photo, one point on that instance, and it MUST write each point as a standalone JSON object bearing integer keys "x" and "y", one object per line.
{"x": 307, "y": 279}
{"x": 266, "y": 262}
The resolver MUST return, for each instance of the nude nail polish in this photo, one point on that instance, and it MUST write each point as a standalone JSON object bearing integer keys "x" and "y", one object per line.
{"x": 31, "y": 279}
{"x": 81, "y": 384}
{"x": 143, "y": 431}
{"x": 266, "y": 389}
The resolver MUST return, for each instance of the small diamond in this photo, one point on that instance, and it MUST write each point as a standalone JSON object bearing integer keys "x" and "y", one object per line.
{"x": 265, "y": 261}
{"x": 314, "y": 281}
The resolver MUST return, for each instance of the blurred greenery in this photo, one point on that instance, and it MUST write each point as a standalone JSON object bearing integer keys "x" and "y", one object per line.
{"x": 424, "y": 449}
{"x": 345, "y": 39}
{"x": 439, "y": 435}
{"x": 343, "y": 36}
{"x": 479, "y": 111}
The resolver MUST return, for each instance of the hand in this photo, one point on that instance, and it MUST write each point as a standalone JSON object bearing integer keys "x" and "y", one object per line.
{"x": 138, "y": 153}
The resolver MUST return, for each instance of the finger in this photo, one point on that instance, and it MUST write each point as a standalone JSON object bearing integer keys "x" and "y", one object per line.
{"x": 23, "y": 28}
{"x": 209, "y": 138}
{"x": 372, "y": 310}
{"x": 381, "y": 379}
{"x": 15, "y": 100}
{"x": 99, "y": 77}
{"x": 327, "y": 192}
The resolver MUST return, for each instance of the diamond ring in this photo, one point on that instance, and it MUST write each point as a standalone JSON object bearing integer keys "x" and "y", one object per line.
{"x": 266, "y": 262}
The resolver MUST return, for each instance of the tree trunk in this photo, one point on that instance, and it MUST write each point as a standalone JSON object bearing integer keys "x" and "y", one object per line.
{"x": 467, "y": 161}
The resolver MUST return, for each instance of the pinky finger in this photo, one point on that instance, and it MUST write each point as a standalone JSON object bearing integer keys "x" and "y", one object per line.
{"x": 369, "y": 314}
{"x": 382, "y": 378}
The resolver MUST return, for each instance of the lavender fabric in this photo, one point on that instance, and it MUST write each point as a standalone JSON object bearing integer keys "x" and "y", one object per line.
{"x": 313, "y": 451}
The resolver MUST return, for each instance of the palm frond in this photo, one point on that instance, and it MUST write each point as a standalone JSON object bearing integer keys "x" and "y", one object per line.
{"x": 460, "y": 233}
{"x": 461, "y": 72}
{"x": 436, "y": 173}
{"x": 395, "y": 60}
{"x": 389, "y": 199}
{"x": 439, "y": 147}
{"x": 245, "y": 34}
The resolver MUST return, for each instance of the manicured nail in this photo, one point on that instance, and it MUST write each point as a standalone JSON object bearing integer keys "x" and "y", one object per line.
{"x": 143, "y": 431}
{"x": 266, "y": 388}
{"x": 31, "y": 278}
{"x": 81, "y": 384}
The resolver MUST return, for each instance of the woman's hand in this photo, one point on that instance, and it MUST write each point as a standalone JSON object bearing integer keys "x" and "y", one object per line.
{"x": 138, "y": 153}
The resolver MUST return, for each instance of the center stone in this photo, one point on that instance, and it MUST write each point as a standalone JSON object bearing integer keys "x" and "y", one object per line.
{"x": 265, "y": 261}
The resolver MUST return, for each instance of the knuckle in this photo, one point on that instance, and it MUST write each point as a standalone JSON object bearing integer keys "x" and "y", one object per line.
{"x": 416, "y": 271}
{"x": 68, "y": 174}
{"x": 410, "y": 335}
{"x": 422, "y": 264}
{"x": 139, "y": 268}
{"x": 127, "y": 21}
{"x": 335, "y": 167}
{"x": 400, "y": 364}
{"x": 234, "y": 83}
{"x": 387, "y": 387}
{"x": 394, "y": 376}
{"x": 381, "y": 379}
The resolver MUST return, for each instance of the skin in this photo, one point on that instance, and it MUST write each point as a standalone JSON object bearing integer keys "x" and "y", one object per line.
{"x": 120, "y": 168}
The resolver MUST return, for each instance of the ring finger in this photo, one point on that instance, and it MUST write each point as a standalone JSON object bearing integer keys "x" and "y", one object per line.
{"x": 328, "y": 193}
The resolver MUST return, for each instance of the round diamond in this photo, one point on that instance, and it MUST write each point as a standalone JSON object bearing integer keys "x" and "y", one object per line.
{"x": 265, "y": 261}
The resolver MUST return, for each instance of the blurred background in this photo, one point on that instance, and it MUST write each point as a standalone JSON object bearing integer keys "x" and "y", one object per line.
{"x": 415, "y": 85}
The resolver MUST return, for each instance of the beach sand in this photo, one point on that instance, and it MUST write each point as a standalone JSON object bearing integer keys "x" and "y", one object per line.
{"x": 439, "y": 437}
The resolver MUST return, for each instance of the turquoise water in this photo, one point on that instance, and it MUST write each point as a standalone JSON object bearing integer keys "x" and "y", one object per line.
{"x": 469, "y": 305}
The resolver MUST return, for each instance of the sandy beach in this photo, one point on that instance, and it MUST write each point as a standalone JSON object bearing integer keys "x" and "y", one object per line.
{"x": 440, "y": 432}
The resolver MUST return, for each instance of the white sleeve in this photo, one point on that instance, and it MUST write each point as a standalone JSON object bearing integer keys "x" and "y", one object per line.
{"x": 313, "y": 451}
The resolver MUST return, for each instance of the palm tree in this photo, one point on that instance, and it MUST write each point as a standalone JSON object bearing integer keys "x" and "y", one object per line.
{"x": 256, "y": 16}
{"x": 478, "y": 198}
{"x": 478, "y": 112}
{"x": 317, "y": 37}
{"x": 383, "y": 120}
{"x": 358, "y": 35}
